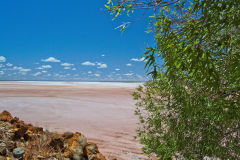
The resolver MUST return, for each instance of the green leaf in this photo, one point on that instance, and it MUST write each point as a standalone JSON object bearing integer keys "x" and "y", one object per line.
{"x": 108, "y": 7}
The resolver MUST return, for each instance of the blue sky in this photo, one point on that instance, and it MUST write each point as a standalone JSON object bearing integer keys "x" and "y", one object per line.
{"x": 68, "y": 40}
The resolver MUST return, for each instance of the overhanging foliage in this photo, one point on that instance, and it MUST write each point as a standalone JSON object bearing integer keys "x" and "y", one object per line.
{"x": 192, "y": 106}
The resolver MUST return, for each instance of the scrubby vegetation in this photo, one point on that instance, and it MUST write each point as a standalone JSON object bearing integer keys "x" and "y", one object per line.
{"x": 191, "y": 107}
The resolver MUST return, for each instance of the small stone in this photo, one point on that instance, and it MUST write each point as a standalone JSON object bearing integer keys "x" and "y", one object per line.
{"x": 92, "y": 148}
{"x": 83, "y": 141}
{"x": 41, "y": 157}
{"x": 97, "y": 156}
{"x": 92, "y": 157}
{"x": 77, "y": 157}
{"x": 3, "y": 149}
{"x": 78, "y": 150}
{"x": 68, "y": 135}
{"x": 18, "y": 152}
{"x": 11, "y": 145}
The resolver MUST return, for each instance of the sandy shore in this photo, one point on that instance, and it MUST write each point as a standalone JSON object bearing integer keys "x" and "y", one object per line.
{"x": 104, "y": 113}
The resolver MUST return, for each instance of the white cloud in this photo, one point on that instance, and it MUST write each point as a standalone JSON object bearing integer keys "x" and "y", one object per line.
{"x": 117, "y": 69}
{"x": 101, "y": 65}
{"x": 16, "y": 68}
{"x": 138, "y": 60}
{"x": 51, "y": 59}
{"x": 89, "y": 72}
{"x": 74, "y": 69}
{"x": 67, "y": 67}
{"x": 59, "y": 75}
{"x": 1, "y": 73}
{"x": 49, "y": 74}
{"x": 66, "y": 64}
{"x": 87, "y": 63}
{"x": 45, "y": 67}
{"x": 44, "y": 71}
{"x": 24, "y": 70}
{"x": 129, "y": 64}
{"x": 9, "y": 64}
{"x": 97, "y": 75}
{"x": 2, "y": 59}
{"x": 103, "y": 55}
{"x": 20, "y": 69}
{"x": 1, "y": 66}
{"x": 128, "y": 74}
{"x": 37, "y": 74}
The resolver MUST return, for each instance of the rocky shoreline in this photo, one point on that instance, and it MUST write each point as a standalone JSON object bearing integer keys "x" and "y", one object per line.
{"x": 22, "y": 141}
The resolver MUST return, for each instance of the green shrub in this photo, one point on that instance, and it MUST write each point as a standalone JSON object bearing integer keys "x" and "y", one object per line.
{"x": 191, "y": 108}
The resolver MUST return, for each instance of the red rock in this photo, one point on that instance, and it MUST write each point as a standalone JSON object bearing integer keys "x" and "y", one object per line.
{"x": 20, "y": 132}
{"x": 91, "y": 148}
{"x": 35, "y": 129}
{"x": 100, "y": 156}
{"x": 73, "y": 145}
{"x": 92, "y": 152}
{"x": 75, "y": 149}
{"x": 28, "y": 135}
{"x": 14, "y": 120}
{"x": 67, "y": 135}
{"x": 97, "y": 156}
{"x": 6, "y": 116}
